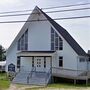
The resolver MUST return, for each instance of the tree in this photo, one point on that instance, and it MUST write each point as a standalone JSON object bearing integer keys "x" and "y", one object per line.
{"x": 2, "y": 53}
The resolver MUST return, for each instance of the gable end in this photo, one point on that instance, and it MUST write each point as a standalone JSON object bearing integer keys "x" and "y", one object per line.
{"x": 66, "y": 36}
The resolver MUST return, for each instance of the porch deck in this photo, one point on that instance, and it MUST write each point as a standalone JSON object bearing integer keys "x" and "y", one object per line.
{"x": 71, "y": 74}
{"x": 42, "y": 78}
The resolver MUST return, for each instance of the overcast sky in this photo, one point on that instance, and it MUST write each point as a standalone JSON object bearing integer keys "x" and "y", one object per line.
{"x": 78, "y": 28}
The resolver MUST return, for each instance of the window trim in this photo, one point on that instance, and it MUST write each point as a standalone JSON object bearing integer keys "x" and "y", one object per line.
{"x": 56, "y": 41}
{"x": 22, "y": 43}
{"x": 18, "y": 62}
{"x": 60, "y": 61}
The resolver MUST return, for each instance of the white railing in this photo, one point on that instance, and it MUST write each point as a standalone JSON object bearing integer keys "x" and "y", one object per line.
{"x": 31, "y": 73}
{"x": 68, "y": 72}
{"x": 48, "y": 75}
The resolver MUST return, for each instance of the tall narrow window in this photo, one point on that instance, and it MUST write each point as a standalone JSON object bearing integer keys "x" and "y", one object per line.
{"x": 32, "y": 61}
{"x": 60, "y": 44}
{"x": 56, "y": 41}
{"x": 52, "y": 39}
{"x": 60, "y": 61}
{"x": 26, "y": 40}
{"x": 18, "y": 46}
{"x": 23, "y": 42}
{"x": 44, "y": 62}
{"x": 18, "y": 62}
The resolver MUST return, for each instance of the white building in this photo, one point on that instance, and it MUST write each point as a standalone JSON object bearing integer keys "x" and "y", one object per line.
{"x": 43, "y": 49}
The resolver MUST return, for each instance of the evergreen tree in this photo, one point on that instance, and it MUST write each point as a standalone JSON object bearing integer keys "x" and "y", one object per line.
{"x": 2, "y": 53}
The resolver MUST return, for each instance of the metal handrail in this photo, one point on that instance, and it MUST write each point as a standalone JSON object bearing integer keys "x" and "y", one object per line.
{"x": 48, "y": 75}
{"x": 30, "y": 74}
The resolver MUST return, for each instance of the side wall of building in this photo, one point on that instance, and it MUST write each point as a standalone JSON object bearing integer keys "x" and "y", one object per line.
{"x": 11, "y": 57}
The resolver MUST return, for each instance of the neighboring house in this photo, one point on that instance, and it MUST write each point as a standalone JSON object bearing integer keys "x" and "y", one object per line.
{"x": 43, "y": 49}
{"x": 2, "y": 66}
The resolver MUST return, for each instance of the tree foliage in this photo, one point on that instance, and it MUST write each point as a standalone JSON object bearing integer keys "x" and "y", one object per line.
{"x": 2, "y": 53}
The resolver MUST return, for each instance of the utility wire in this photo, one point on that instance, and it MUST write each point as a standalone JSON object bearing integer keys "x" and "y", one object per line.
{"x": 79, "y": 17}
{"x": 46, "y": 8}
{"x": 67, "y": 6}
{"x": 45, "y": 12}
{"x": 68, "y": 10}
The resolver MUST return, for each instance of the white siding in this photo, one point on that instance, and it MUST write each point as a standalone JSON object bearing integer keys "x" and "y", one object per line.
{"x": 26, "y": 63}
{"x": 39, "y": 36}
{"x": 69, "y": 56}
{"x": 11, "y": 56}
{"x": 82, "y": 65}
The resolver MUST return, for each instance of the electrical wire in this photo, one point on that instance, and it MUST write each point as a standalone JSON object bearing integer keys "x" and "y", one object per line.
{"x": 46, "y": 12}
{"x": 79, "y": 17}
{"x": 67, "y": 6}
{"x": 46, "y": 8}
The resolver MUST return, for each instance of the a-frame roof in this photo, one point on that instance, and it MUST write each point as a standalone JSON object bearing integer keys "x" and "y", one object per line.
{"x": 77, "y": 48}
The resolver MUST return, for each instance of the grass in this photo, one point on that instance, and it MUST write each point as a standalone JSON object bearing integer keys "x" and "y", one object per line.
{"x": 62, "y": 86}
{"x": 4, "y": 82}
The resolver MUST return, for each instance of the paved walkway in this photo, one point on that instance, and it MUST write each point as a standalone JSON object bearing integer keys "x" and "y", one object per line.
{"x": 20, "y": 87}
{"x": 23, "y": 87}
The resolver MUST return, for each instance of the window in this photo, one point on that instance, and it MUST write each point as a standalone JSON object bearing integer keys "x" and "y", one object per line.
{"x": 56, "y": 41}
{"x": 82, "y": 59}
{"x": 38, "y": 62}
{"x": 60, "y": 44}
{"x": 26, "y": 40}
{"x": 89, "y": 59}
{"x": 18, "y": 62}
{"x": 60, "y": 61}
{"x": 23, "y": 42}
{"x": 52, "y": 46}
{"x": 44, "y": 62}
{"x": 19, "y": 44}
{"x": 32, "y": 61}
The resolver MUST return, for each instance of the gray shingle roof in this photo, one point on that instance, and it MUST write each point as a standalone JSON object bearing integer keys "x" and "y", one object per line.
{"x": 66, "y": 36}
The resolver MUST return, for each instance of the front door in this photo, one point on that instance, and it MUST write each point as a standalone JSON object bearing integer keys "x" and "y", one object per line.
{"x": 42, "y": 64}
{"x": 39, "y": 63}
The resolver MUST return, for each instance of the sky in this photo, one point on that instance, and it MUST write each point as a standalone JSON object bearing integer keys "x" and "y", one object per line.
{"x": 78, "y": 28}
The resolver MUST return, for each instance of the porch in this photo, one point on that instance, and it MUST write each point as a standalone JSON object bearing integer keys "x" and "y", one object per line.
{"x": 34, "y": 67}
{"x": 71, "y": 74}
{"x": 41, "y": 60}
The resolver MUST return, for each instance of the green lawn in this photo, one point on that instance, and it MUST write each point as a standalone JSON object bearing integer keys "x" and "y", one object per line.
{"x": 62, "y": 86}
{"x": 4, "y": 82}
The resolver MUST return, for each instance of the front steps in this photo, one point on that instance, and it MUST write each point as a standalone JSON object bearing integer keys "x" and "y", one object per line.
{"x": 39, "y": 78}
{"x": 21, "y": 78}
{"x": 32, "y": 78}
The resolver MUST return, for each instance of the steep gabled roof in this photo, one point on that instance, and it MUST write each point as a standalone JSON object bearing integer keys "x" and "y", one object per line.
{"x": 65, "y": 35}
{"x": 60, "y": 29}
